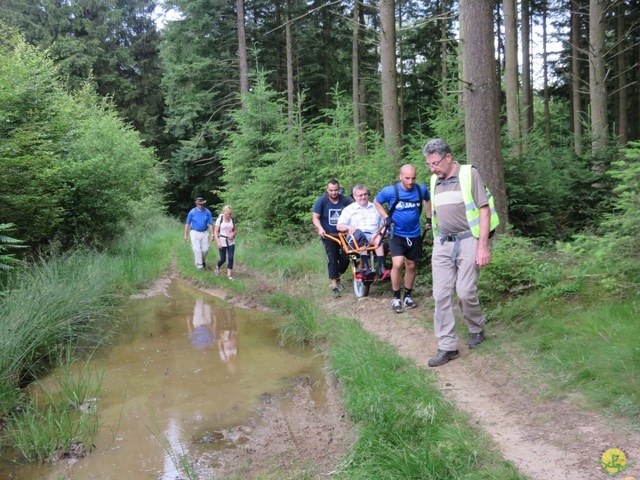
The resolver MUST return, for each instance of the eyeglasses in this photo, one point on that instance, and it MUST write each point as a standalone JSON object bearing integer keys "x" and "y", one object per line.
{"x": 435, "y": 164}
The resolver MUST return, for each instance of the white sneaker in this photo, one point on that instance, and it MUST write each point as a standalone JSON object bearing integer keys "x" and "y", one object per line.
{"x": 396, "y": 305}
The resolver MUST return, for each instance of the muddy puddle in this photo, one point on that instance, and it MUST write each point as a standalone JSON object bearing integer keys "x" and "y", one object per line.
{"x": 186, "y": 370}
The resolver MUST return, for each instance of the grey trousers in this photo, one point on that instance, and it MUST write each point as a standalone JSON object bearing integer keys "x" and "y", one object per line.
{"x": 462, "y": 277}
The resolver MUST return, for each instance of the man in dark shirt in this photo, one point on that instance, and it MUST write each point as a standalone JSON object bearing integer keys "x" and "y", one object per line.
{"x": 326, "y": 211}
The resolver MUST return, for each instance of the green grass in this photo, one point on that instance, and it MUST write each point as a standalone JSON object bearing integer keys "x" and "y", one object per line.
{"x": 406, "y": 428}
{"x": 585, "y": 344}
{"x": 57, "y": 300}
{"x": 284, "y": 262}
{"x": 60, "y": 419}
{"x": 144, "y": 254}
{"x": 305, "y": 320}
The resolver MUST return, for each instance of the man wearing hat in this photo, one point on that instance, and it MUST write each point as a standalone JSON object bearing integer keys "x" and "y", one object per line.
{"x": 199, "y": 222}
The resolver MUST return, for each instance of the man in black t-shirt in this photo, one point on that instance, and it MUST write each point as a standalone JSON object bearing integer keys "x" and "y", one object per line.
{"x": 326, "y": 211}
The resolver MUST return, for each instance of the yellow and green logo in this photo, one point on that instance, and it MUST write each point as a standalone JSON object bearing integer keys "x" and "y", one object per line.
{"x": 614, "y": 461}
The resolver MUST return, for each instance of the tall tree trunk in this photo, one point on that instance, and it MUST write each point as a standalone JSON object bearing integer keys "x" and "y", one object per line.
{"x": 511, "y": 73}
{"x": 363, "y": 91}
{"x": 326, "y": 70}
{"x": 443, "y": 40}
{"x": 278, "y": 53}
{"x": 355, "y": 69}
{"x": 500, "y": 52}
{"x": 576, "y": 80}
{"x": 545, "y": 74}
{"x": 622, "y": 94}
{"x": 597, "y": 87}
{"x": 390, "y": 110}
{"x": 242, "y": 52}
{"x": 481, "y": 99}
{"x": 401, "y": 62}
{"x": 527, "y": 88}
{"x": 355, "y": 78}
{"x": 290, "y": 92}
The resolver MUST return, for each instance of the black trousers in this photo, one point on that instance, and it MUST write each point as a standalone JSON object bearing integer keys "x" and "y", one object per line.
{"x": 337, "y": 260}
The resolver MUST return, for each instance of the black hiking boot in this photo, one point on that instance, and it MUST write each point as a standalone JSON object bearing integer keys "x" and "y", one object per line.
{"x": 443, "y": 357}
{"x": 475, "y": 339}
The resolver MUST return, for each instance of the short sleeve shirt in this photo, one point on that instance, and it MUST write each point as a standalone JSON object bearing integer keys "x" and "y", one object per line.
{"x": 225, "y": 228}
{"x": 366, "y": 219}
{"x": 199, "y": 219}
{"x": 330, "y": 212}
{"x": 449, "y": 204}
{"x": 406, "y": 216}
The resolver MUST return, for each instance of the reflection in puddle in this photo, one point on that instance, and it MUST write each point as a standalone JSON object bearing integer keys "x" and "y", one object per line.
{"x": 210, "y": 327}
{"x": 186, "y": 368}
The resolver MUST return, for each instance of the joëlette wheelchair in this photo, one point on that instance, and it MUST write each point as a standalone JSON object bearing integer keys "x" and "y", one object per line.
{"x": 362, "y": 283}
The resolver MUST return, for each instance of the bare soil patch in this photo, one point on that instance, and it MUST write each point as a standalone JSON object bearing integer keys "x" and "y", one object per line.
{"x": 545, "y": 438}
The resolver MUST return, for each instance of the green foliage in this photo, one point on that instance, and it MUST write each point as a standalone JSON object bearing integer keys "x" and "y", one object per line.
{"x": 114, "y": 43}
{"x": 288, "y": 168}
{"x": 614, "y": 252}
{"x": 446, "y": 119}
{"x": 71, "y": 169}
{"x": 33, "y": 122}
{"x": 199, "y": 83}
{"x": 302, "y": 322}
{"x": 538, "y": 185}
{"x": 517, "y": 266}
{"x": 105, "y": 178}
{"x": 8, "y": 260}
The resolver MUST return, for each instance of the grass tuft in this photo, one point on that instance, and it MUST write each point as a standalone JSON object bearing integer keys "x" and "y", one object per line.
{"x": 61, "y": 421}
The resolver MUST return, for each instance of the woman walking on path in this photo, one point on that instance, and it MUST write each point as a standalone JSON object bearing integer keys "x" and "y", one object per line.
{"x": 225, "y": 233}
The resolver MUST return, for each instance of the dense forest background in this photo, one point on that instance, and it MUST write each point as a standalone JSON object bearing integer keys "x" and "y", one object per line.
{"x": 112, "y": 108}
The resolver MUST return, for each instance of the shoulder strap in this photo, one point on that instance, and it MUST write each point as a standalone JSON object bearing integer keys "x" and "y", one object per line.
{"x": 397, "y": 191}
{"x": 221, "y": 218}
{"x": 393, "y": 207}
{"x": 325, "y": 200}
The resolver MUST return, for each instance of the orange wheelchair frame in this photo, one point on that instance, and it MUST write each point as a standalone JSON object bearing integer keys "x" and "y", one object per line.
{"x": 362, "y": 284}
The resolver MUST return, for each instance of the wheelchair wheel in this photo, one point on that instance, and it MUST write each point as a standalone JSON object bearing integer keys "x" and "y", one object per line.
{"x": 360, "y": 287}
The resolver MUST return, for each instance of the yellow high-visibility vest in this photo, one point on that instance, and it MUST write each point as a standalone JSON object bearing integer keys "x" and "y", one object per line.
{"x": 471, "y": 210}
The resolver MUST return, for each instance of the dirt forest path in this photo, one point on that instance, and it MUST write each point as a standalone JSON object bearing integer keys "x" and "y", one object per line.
{"x": 547, "y": 439}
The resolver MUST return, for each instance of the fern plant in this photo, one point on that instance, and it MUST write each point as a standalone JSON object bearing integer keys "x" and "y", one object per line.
{"x": 8, "y": 260}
